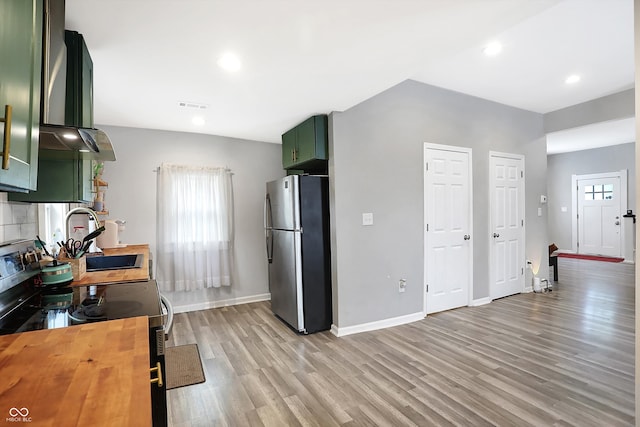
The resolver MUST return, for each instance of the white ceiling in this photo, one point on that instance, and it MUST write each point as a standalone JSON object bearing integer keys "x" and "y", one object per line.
{"x": 303, "y": 57}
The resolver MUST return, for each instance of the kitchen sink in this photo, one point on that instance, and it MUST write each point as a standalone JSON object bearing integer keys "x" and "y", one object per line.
{"x": 114, "y": 262}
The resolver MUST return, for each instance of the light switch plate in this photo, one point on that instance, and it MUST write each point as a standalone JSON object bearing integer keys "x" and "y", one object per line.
{"x": 367, "y": 218}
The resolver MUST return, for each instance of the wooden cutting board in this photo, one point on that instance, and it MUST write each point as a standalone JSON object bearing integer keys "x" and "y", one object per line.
{"x": 96, "y": 374}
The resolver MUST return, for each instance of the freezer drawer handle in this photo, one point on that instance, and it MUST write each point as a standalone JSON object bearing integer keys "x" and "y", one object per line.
{"x": 269, "y": 241}
{"x": 6, "y": 139}
{"x": 157, "y": 369}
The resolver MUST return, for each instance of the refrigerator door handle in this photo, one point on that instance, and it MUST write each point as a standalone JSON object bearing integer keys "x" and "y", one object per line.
{"x": 267, "y": 228}
{"x": 267, "y": 206}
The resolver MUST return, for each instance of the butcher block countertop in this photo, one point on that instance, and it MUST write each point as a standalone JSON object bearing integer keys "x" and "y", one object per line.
{"x": 95, "y": 374}
{"x": 118, "y": 276}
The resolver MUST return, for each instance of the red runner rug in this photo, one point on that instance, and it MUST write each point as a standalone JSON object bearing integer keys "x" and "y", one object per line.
{"x": 590, "y": 257}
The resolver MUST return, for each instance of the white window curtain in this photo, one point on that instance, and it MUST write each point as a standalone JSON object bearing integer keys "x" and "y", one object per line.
{"x": 195, "y": 227}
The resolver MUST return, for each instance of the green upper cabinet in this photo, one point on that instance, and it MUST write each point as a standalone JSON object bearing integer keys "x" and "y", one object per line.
{"x": 305, "y": 147}
{"x": 289, "y": 143}
{"x": 63, "y": 176}
{"x": 20, "y": 74}
{"x": 79, "y": 100}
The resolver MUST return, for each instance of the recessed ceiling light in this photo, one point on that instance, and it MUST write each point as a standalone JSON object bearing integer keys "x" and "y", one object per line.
{"x": 229, "y": 62}
{"x": 492, "y": 49}
{"x": 573, "y": 78}
{"x": 198, "y": 121}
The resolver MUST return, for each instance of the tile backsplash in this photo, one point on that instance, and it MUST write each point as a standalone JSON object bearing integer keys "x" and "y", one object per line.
{"x": 17, "y": 220}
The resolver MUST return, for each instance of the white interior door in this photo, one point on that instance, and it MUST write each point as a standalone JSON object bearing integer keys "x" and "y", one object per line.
{"x": 448, "y": 219}
{"x": 599, "y": 219}
{"x": 507, "y": 224}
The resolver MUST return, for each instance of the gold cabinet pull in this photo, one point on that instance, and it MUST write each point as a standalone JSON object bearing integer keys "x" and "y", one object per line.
{"x": 157, "y": 369}
{"x": 6, "y": 139}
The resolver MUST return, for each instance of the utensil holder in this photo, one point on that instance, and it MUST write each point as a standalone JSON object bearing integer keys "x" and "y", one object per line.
{"x": 78, "y": 266}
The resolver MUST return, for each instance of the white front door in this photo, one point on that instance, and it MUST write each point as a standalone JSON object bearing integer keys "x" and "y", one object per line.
{"x": 448, "y": 218}
{"x": 599, "y": 216}
{"x": 507, "y": 224}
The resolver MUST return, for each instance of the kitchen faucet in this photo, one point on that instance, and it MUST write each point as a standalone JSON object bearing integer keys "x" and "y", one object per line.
{"x": 87, "y": 211}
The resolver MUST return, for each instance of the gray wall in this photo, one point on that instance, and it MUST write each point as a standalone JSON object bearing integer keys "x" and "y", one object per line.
{"x": 612, "y": 107}
{"x": 131, "y": 195}
{"x": 560, "y": 167}
{"x": 377, "y": 166}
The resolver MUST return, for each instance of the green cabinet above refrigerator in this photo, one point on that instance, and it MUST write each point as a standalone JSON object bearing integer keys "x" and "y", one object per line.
{"x": 305, "y": 147}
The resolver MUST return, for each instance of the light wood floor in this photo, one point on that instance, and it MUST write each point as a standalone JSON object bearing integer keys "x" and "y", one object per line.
{"x": 560, "y": 358}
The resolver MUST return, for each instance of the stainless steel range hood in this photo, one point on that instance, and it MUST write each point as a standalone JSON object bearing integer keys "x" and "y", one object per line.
{"x": 89, "y": 142}
{"x": 54, "y": 134}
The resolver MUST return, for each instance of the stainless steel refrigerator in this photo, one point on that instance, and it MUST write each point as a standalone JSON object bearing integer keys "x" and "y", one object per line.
{"x": 298, "y": 251}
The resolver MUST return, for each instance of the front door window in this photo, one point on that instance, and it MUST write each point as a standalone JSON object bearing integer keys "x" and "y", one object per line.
{"x": 598, "y": 192}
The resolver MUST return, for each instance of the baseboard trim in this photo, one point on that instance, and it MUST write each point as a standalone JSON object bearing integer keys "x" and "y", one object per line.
{"x": 480, "y": 301}
{"x": 222, "y": 303}
{"x": 378, "y": 324}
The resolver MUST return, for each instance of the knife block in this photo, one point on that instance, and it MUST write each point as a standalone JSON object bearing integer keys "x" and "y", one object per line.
{"x": 78, "y": 266}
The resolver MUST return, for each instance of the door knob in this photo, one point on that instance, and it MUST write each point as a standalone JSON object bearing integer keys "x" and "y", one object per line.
{"x": 496, "y": 235}
{"x": 467, "y": 237}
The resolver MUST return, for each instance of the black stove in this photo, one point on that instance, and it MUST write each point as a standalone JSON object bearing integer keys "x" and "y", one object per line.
{"x": 27, "y": 305}
{"x": 92, "y": 304}
{"x": 19, "y": 296}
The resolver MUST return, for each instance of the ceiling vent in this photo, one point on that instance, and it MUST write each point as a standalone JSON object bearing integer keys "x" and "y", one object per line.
{"x": 192, "y": 105}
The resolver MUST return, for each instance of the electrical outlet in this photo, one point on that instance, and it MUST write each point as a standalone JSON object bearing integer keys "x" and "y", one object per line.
{"x": 402, "y": 285}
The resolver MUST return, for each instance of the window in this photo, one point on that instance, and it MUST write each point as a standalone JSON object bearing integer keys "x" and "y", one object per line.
{"x": 195, "y": 227}
{"x": 51, "y": 223}
{"x": 598, "y": 192}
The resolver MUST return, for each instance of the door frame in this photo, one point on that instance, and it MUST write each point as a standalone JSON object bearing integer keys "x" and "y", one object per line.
{"x": 622, "y": 175}
{"x": 521, "y": 208}
{"x": 430, "y": 146}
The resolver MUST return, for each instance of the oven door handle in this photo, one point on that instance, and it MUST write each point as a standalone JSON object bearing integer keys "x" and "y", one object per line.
{"x": 169, "y": 323}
